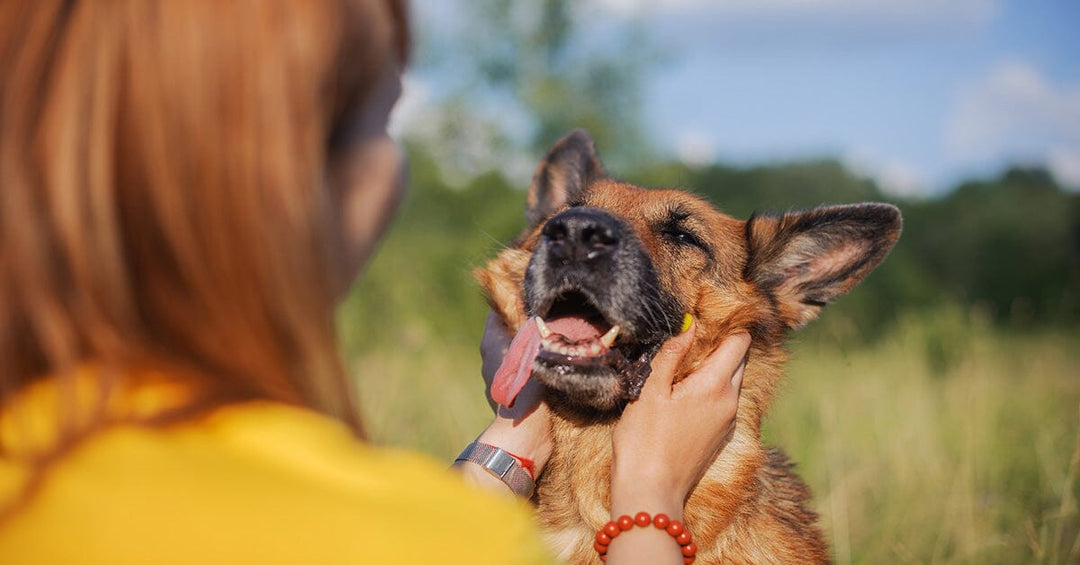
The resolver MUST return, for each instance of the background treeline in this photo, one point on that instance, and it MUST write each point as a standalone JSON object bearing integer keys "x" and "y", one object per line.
{"x": 1006, "y": 248}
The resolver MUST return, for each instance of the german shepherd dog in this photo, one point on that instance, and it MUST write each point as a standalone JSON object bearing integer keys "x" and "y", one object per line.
{"x": 610, "y": 269}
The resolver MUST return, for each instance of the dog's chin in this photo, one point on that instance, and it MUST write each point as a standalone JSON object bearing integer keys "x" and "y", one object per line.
{"x": 594, "y": 389}
{"x": 602, "y": 384}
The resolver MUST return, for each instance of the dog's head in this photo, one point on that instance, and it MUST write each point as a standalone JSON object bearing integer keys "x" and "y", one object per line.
{"x": 606, "y": 271}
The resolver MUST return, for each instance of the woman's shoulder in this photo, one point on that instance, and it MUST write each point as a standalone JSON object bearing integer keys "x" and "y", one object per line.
{"x": 268, "y": 482}
{"x": 295, "y": 444}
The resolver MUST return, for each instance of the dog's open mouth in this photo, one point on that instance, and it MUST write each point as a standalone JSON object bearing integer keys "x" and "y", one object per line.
{"x": 576, "y": 334}
{"x": 574, "y": 348}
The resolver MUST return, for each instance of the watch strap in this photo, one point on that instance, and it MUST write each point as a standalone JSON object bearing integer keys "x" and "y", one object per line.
{"x": 501, "y": 464}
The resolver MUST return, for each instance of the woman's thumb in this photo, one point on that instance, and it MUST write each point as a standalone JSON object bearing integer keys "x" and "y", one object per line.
{"x": 670, "y": 355}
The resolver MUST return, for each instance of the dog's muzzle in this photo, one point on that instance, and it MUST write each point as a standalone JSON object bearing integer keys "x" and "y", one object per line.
{"x": 593, "y": 288}
{"x": 593, "y": 255}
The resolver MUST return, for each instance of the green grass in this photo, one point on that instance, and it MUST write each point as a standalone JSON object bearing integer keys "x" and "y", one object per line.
{"x": 947, "y": 441}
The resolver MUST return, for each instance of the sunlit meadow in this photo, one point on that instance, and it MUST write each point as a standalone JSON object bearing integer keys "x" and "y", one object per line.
{"x": 946, "y": 441}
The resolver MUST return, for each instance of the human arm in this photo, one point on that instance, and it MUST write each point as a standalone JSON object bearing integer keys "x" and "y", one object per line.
{"x": 523, "y": 430}
{"x": 666, "y": 440}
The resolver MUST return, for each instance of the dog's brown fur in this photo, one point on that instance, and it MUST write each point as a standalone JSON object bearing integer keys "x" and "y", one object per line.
{"x": 765, "y": 275}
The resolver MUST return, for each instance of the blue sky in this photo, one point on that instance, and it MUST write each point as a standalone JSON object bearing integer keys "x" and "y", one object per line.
{"x": 918, "y": 94}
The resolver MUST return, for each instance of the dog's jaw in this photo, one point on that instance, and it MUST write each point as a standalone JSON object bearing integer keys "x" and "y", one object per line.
{"x": 605, "y": 388}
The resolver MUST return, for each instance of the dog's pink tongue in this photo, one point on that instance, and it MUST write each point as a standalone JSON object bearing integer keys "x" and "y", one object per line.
{"x": 574, "y": 329}
{"x": 517, "y": 365}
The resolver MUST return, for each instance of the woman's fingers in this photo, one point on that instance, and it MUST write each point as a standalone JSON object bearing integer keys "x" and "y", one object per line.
{"x": 700, "y": 410}
{"x": 721, "y": 372}
{"x": 666, "y": 361}
{"x": 493, "y": 345}
{"x": 492, "y": 351}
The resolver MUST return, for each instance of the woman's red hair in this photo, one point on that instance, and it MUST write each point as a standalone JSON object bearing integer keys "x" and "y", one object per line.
{"x": 162, "y": 192}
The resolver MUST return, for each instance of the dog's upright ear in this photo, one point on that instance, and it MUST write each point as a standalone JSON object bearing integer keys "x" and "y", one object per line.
{"x": 806, "y": 259}
{"x": 566, "y": 171}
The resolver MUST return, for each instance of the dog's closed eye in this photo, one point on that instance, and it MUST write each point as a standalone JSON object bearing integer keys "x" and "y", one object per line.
{"x": 676, "y": 229}
{"x": 678, "y": 235}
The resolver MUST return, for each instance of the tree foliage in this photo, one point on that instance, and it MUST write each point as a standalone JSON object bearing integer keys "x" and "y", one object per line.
{"x": 525, "y": 73}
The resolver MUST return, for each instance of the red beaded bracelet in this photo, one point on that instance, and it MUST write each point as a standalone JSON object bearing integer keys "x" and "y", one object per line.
{"x": 674, "y": 528}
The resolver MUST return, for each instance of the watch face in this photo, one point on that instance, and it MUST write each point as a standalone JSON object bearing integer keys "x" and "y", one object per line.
{"x": 500, "y": 462}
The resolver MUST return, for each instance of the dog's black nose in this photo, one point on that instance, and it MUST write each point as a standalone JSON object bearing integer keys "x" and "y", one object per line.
{"x": 581, "y": 234}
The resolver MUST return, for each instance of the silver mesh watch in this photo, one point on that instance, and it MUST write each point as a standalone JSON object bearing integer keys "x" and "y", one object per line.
{"x": 500, "y": 464}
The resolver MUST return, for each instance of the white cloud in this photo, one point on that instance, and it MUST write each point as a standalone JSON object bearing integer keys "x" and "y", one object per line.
{"x": 696, "y": 149}
{"x": 727, "y": 16}
{"x": 979, "y": 8}
{"x": 1015, "y": 113}
{"x": 894, "y": 176}
{"x": 410, "y": 109}
{"x": 465, "y": 142}
{"x": 1065, "y": 164}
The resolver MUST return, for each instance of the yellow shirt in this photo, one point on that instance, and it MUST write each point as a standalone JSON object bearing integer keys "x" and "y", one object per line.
{"x": 257, "y": 482}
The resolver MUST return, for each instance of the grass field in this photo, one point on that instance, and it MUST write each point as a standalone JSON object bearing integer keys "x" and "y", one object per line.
{"x": 947, "y": 441}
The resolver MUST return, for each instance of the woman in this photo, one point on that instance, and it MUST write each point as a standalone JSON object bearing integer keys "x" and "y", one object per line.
{"x": 186, "y": 189}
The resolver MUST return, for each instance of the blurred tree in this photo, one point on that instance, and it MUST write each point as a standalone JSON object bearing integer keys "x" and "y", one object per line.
{"x": 1003, "y": 245}
{"x": 525, "y": 73}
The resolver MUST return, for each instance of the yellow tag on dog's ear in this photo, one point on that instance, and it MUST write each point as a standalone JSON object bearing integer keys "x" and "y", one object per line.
{"x": 687, "y": 321}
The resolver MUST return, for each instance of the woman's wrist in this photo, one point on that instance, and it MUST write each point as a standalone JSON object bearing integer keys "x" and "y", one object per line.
{"x": 643, "y": 486}
{"x": 645, "y": 538}
{"x": 631, "y": 499}
{"x": 525, "y": 438}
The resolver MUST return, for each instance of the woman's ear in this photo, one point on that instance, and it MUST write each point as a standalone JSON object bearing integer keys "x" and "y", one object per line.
{"x": 564, "y": 174}
{"x": 806, "y": 259}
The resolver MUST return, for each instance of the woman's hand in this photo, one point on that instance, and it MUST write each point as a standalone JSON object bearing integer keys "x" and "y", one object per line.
{"x": 525, "y": 429}
{"x": 668, "y": 437}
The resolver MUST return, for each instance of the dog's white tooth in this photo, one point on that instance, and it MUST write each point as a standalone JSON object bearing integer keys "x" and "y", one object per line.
{"x": 608, "y": 339}
{"x": 544, "y": 330}
{"x": 563, "y": 350}
{"x": 594, "y": 350}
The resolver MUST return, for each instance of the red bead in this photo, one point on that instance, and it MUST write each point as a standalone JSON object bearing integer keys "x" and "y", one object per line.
{"x": 661, "y": 521}
{"x": 612, "y": 529}
{"x": 642, "y": 519}
{"x": 602, "y": 538}
{"x": 625, "y": 522}
{"x": 601, "y": 549}
{"x": 604, "y": 558}
{"x": 686, "y": 560}
{"x": 689, "y": 550}
{"x": 683, "y": 538}
{"x": 675, "y": 528}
